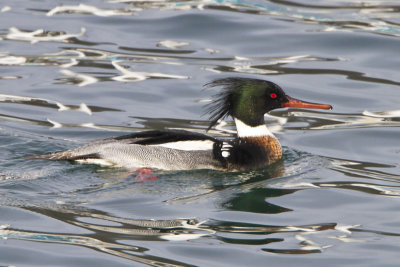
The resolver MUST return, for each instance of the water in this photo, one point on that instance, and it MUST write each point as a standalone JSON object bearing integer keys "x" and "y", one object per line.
{"x": 73, "y": 71}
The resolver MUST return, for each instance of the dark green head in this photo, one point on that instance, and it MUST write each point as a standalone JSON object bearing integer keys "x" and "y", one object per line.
{"x": 249, "y": 99}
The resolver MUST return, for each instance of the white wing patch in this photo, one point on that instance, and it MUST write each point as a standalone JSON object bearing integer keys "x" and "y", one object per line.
{"x": 189, "y": 145}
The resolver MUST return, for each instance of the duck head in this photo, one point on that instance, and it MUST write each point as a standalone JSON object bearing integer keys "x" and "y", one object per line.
{"x": 247, "y": 100}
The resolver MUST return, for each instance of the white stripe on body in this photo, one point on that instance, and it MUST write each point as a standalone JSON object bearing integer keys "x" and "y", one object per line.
{"x": 189, "y": 145}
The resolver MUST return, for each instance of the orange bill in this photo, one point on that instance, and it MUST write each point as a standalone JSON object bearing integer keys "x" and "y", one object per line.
{"x": 295, "y": 103}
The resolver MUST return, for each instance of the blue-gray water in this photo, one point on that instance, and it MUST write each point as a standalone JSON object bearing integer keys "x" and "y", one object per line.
{"x": 74, "y": 71}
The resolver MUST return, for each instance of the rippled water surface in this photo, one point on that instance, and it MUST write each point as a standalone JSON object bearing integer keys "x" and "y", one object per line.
{"x": 74, "y": 71}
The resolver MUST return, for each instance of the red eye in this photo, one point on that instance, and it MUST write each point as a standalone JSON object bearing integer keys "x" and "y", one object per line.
{"x": 273, "y": 95}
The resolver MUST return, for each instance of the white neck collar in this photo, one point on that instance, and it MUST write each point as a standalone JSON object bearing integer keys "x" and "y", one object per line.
{"x": 244, "y": 130}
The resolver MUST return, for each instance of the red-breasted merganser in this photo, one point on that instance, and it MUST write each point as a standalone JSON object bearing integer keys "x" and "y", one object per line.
{"x": 246, "y": 100}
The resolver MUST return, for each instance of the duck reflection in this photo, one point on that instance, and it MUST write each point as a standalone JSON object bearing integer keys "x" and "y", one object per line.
{"x": 133, "y": 238}
{"x": 256, "y": 201}
{"x": 111, "y": 234}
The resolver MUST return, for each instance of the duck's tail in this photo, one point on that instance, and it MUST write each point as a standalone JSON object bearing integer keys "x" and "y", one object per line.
{"x": 65, "y": 155}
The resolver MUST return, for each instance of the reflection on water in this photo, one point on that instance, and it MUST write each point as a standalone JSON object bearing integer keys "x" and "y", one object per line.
{"x": 114, "y": 239}
{"x": 370, "y": 17}
{"x": 318, "y": 121}
{"x": 72, "y": 72}
{"x": 45, "y": 103}
{"x": 140, "y": 76}
{"x": 256, "y": 201}
{"x": 39, "y": 35}
{"x": 92, "y": 10}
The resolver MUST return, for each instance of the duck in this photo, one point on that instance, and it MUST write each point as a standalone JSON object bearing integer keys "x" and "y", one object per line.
{"x": 246, "y": 100}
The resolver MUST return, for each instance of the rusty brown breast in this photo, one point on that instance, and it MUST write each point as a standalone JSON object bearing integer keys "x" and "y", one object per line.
{"x": 250, "y": 153}
{"x": 268, "y": 144}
